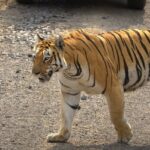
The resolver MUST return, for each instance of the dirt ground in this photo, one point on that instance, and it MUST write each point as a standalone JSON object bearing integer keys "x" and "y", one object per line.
{"x": 30, "y": 110}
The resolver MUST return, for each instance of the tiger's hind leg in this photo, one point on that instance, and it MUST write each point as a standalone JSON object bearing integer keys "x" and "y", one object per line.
{"x": 115, "y": 100}
{"x": 70, "y": 103}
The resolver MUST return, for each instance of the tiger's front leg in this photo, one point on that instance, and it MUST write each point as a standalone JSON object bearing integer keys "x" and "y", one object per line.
{"x": 70, "y": 103}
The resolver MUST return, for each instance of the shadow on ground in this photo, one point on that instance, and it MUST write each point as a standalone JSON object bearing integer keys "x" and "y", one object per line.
{"x": 113, "y": 146}
{"x": 102, "y": 14}
{"x": 78, "y": 2}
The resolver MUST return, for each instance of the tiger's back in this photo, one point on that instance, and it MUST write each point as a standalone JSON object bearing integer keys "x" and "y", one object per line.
{"x": 124, "y": 54}
{"x": 129, "y": 50}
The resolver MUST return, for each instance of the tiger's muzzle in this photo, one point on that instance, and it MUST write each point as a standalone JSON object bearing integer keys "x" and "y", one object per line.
{"x": 45, "y": 77}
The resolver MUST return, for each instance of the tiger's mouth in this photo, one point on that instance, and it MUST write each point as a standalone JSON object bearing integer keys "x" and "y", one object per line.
{"x": 45, "y": 77}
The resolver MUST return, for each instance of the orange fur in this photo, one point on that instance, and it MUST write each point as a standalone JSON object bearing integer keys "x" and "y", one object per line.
{"x": 95, "y": 63}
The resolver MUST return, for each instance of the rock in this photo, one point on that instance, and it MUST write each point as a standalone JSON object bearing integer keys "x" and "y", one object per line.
{"x": 18, "y": 71}
{"x": 30, "y": 87}
{"x": 30, "y": 55}
{"x": 105, "y": 17}
{"x": 3, "y": 125}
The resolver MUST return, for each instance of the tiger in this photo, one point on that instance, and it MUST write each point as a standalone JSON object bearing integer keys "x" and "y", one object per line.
{"x": 106, "y": 63}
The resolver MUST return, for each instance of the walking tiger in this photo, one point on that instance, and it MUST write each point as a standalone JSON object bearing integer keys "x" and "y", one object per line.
{"x": 108, "y": 63}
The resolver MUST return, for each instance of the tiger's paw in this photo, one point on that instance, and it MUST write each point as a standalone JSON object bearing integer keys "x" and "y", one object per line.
{"x": 125, "y": 139}
{"x": 58, "y": 137}
{"x": 125, "y": 135}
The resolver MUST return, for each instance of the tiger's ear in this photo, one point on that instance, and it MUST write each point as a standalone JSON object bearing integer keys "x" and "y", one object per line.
{"x": 39, "y": 38}
{"x": 59, "y": 42}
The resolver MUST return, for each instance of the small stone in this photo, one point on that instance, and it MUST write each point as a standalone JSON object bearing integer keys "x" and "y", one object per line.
{"x": 7, "y": 116}
{"x": 30, "y": 55}
{"x": 76, "y": 124}
{"x": 29, "y": 87}
{"x": 26, "y": 106}
{"x": 12, "y": 56}
{"x": 18, "y": 71}
{"x": 105, "y": 17}
{"x": 55, "y": 16}
{"x": 12, "y": 141}
{"x": 84, "y": 97}
{"x": 3, "y": 125}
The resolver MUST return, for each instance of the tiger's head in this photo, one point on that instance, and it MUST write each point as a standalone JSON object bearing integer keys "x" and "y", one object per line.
{"x": 48, "y": 58}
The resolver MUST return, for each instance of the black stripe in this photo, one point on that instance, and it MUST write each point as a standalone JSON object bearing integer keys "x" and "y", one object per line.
{"x": 78, "y": 67}
{"x": 106, "y": 66}
{"x": 142, "y": 44}
{"x": 103, "y": 92}
{"x": 66, "y": 86}
{"x": 87, "y": 64}
{"x": 75, "y": 107}
{"x": 117, "y": 41}
{"x": 111, "y": 77}
{"x": 70, "y": 46}
{"x": 149, "y": 70}
{"x": 140, "y": 55}
{"x": 106, "y": 51}
{"x": 109, "y": 66}
{"x": 122, "y": 40}
{"x": 125, "y": 44}
{"x": 54, "y": 56}
{"x": 139, "y": 73}
{"x": 126, "y": 80}
{"x": 138, "y": 51}
{"x": 141, "y": 58}
{"x": 107, "y": 40}
{"x": 89, "y": 39}
{"x": 84, "y": 43}
{"x": 118, "y": 66}
{"x": 138, "y": 70}
{"x": 67, "y": 53}
{"x": 106, "y": 78}
{"x": 130, "y": 39}
{"x": 71, "y": 93}
{"x": 111, "y": 49}
{"x": 81, "y": 41}
{"x": 135, "y": 47}
{"x": 93, "y": 80}
{"x": 128, "y": 50}
{"x": 148, "y": 31}
{"x": 148, "y": 39}
{"x": 59, "y": 60}
{"x": 117, "y": 52}
{"x": 102, "y": 43}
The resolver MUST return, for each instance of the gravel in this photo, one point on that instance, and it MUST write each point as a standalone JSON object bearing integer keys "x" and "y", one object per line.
{"x": 29, "y": 110}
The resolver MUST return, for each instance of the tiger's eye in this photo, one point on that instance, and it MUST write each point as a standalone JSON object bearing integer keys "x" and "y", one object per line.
{"x": 46, "y": 58}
